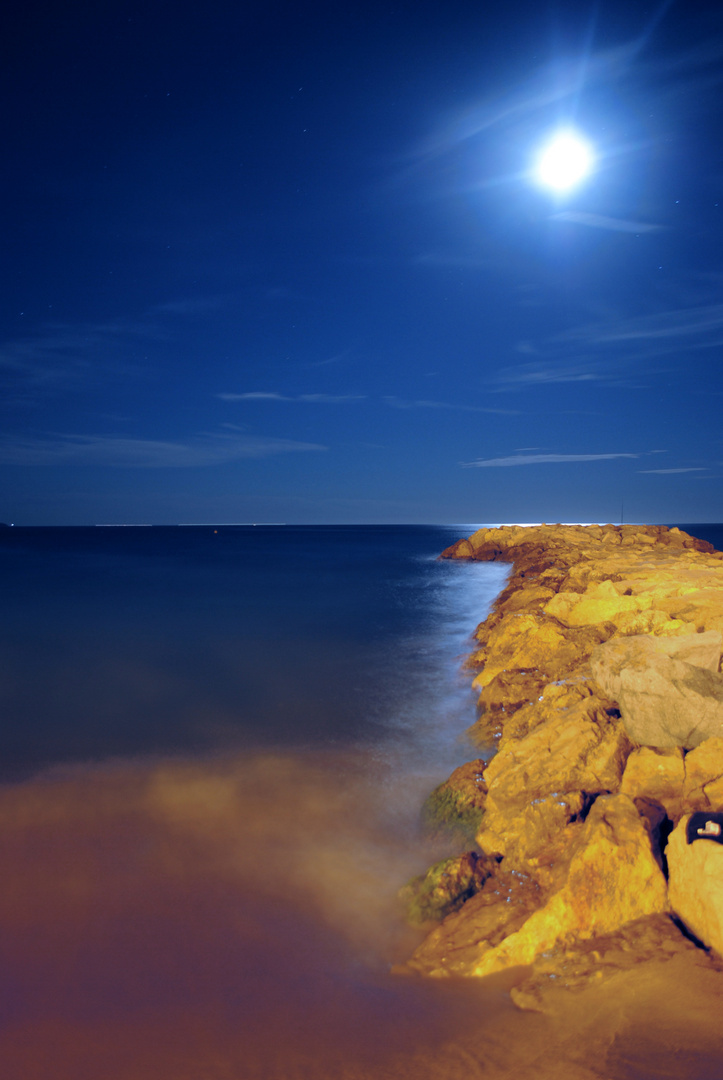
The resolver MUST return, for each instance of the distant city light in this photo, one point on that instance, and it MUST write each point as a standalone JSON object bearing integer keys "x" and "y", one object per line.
{"x": 564, "y": 162}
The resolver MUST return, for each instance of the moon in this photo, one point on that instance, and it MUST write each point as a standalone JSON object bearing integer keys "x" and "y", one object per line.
{"x": 564, "y": 162}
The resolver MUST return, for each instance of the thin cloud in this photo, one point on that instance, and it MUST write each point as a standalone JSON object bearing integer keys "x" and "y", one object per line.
{"x": 192, "y": 305}
{"x": 544, "y": 372}
{"x": 337, "y": 399}
{"x": 667, "y": 472}
{"x": 310, "y": 399}
{"x": 401, "y": 403}
{"x": 599, "y": 221}
{"x": 123, "y": 452}
{"x": 686, "y": 322}
{"x": 593, "y": 352}
{"x": 447, "y": 259}
{"x": 339, "y": 358}
{"x": 64, "y": 353}
{"x": 539, "y": 459}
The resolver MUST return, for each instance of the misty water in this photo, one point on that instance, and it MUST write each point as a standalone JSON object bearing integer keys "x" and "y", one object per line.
{"x": 215, "y": 744}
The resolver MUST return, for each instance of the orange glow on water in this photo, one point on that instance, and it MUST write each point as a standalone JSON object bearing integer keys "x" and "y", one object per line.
{"x": 232, "y": 921}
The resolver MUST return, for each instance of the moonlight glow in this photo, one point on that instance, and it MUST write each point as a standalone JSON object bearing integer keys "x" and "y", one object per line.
{"x": 564, "y": 162}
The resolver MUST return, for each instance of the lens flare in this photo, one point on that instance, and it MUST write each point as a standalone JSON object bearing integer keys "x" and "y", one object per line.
{"x": 564, "y": 162}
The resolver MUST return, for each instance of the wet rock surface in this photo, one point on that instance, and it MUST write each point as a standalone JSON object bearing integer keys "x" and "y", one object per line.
{"x": 655, "y": 939}
{"x": 430, "y": 897}
{"x": 456, "y": 806}
{"x": 580, "y": 799}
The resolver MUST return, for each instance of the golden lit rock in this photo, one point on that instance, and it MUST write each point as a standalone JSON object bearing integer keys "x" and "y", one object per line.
{"x": 523, "y": 641}
{"x": 696, "y": 885}
{"x": 582, "y": 748}
{"x": 456, "y": 946}
{"x": 600, "y": 602}
{"x": 613, "y": 878}
{"x": 669, "y": 690}
{"x": 703, "y": 784}
{"x": 656, "y": 774}
{"x": 652, "y": 596}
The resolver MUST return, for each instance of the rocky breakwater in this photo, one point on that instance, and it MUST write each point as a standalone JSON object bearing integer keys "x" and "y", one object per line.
{"x": 600, "y": 733}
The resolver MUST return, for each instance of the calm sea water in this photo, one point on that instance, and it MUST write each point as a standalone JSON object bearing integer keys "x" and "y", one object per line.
{"x": 128, "y": 641}
{"x": 215, "y": 745}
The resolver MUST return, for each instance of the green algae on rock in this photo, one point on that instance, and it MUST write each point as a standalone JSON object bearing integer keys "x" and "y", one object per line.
{"x": 431, "y": 896}
{"x": 456, "y": 806}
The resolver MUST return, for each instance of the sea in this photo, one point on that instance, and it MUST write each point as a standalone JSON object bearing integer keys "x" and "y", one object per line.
{"x": 215, "y": 742}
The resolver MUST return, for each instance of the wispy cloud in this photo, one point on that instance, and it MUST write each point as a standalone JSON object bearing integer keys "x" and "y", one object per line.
{"x": 338, "y": 399}
{"x": 65, "y": 353}
{"x": 338, "y": 358}
{"x": 452, "y": 259}
{"x": 692, "y": 323}
{"x": 539, "y": 459}
{"x": 667, "y": 472}
{"x": 191, "y": 305}
{"x": 123, "y": 452}
{"x": 401, "y": 403}
{"x": 56, "y": 354}
{"x": 618, "y": 352}
{"x": 599, "y": 221}
{"x": 546, "y": 371}
{"x": 309, "y": 399}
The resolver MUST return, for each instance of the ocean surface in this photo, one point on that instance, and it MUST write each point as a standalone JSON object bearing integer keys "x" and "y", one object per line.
{"x": 214, "y": 745}
{"x": 133, "y": 641}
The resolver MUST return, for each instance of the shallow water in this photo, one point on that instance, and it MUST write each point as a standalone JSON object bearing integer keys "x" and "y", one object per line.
{"x": 236, "y": 919}
{"x": 220, "y": 902}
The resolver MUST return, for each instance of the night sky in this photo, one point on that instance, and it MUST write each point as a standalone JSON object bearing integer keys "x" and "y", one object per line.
{"x": 270, "y": 262}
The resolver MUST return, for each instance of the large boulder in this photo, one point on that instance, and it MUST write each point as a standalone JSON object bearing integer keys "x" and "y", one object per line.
{"x": 579, "y": 749}
{"x": 703, "y": 785}
{"x": 658, "y": 775}
{"x": 668, "y": 689}
{"x": 539, "y": 837}
{"x": 502, "y": 906}
{"x": 613, "y": 877}
{"x": 601, "y": 602}
{"x": 521, "y": 642}
{"x": 696, "y": 885}
{"x": 678, "y": 783}
{"x": 532, "y": 643}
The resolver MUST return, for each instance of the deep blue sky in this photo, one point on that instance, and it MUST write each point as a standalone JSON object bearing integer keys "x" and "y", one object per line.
{"x": 286, "y": 262}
